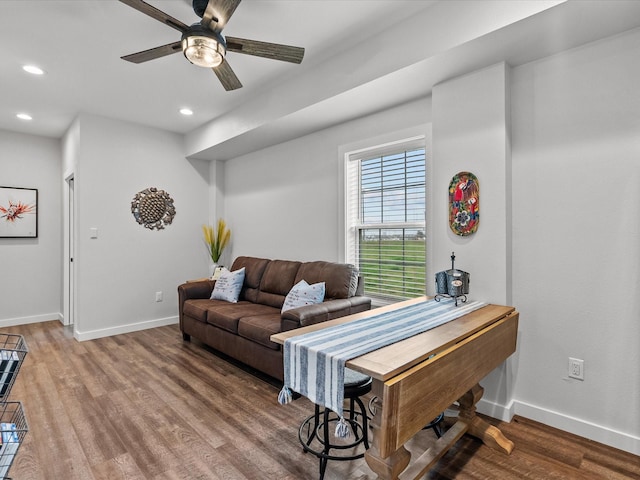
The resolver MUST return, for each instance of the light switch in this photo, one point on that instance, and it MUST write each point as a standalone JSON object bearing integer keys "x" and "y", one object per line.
{"x": 93, "y": 232}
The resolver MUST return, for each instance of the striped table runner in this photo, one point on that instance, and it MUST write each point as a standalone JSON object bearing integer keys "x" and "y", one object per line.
{"x": 314, "y": 362}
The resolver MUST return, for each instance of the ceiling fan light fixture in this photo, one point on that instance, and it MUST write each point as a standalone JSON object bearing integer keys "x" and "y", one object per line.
{"x": 203, "y": 48}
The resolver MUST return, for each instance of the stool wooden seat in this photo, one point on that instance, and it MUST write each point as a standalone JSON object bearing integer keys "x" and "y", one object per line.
{"x": 317, "y": 437}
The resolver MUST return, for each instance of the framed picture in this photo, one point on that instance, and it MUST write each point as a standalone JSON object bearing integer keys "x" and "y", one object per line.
{"x": 18, "y": 212}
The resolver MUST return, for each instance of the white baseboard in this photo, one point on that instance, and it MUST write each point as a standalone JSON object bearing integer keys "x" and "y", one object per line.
{"x": 597, "y": 433}
{"x": 495, "y": 410}
{"x": 47, "y": 317}
{"x": 131, "y": 327}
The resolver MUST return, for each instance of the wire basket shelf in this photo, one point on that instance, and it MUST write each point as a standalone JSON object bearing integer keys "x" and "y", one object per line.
{"x": 13, "y": 428}
{"x": 13, "y": 349}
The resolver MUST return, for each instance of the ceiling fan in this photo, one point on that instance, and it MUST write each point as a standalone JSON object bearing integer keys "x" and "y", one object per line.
{"x": 203, "y": 44}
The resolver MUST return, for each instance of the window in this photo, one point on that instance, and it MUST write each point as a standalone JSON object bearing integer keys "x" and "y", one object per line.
{"x": 386, "y": 192}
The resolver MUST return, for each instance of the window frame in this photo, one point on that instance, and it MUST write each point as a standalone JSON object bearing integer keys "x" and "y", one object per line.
{"x": 354, "y": 157}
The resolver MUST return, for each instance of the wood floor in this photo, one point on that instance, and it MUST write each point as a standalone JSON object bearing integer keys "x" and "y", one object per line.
{"x": 147, "y": 405}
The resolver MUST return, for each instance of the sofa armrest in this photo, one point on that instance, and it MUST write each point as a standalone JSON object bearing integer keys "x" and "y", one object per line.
{"x": 321, "y": 312}
{"x": 198, "y": 289}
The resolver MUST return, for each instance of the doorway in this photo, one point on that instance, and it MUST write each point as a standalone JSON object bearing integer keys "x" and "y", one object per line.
{"x": 68, "y": 315}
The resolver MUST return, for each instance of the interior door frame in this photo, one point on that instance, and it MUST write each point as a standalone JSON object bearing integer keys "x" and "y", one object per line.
{"x": 69, "y": 271}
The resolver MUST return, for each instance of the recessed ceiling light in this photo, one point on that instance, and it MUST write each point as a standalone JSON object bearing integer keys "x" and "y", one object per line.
{"x": 186, "y": 111}
{"x": 33, "y": 69}
{"x": 24, "y": 116}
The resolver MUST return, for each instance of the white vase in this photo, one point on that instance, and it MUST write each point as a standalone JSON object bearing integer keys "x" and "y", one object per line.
{"x": 215, "y": 271}
{"x": 212, "y": 269}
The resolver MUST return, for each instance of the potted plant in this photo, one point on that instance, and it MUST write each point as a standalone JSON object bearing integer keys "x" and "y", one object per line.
{"x": 216, "y": 239}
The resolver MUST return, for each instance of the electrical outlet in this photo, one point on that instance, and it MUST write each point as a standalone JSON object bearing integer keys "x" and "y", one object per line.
{"x": 158, "y": 296}
{"x": 576, "y": 368}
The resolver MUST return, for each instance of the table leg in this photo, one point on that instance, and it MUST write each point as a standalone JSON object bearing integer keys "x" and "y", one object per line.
{"x": 386, "y": 468}
{"x": 395, "y": 465}
{"x": 490, "y": 435}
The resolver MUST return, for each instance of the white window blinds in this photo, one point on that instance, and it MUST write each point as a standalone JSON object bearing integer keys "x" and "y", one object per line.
{"x": 385, "y": 214}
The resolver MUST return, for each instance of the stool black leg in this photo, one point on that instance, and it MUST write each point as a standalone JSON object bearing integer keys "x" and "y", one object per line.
{"x": 353, "y": 417}
{"x": 436, "y": 426}
{"x": 316, "y": 422}
{"x": 327, "y": 444}
{"x": 323, "y": 467}
{"x": 365, "y": 431}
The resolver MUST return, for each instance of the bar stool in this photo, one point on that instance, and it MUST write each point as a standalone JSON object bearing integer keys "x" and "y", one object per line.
{"x": 317, "y": 437}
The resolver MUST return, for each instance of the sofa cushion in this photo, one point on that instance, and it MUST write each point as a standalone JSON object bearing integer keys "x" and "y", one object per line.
{"x": 277, "y": 281}
{"x": 353, "y": 286}
{"x": 227, "y": 316}
{"x": 254, "y": 269}
{"x": 260, "y": 328}
{"x": 303, "y": 294}
{"x": 338, "y": 277}
{"x": 228, "y": 286}
{"x": 198, "y": 307}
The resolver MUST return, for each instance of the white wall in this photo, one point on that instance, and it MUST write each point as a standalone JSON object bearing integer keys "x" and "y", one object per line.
{"x": 286, "y": 201}
{"x": 216, "y": 205}
{"x": 576, "y": 238}
{"x": 119, "y": 273}
{"x": 471, "y": 133}
{"x": 31, "y": 268}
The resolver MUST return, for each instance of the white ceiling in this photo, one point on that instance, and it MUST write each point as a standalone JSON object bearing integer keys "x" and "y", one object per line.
{"x": 361, "y": 56}
{"x": 79, "y": 44}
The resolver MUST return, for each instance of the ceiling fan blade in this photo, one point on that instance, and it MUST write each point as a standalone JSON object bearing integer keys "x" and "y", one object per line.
{"x": 227, "y": 76}
{"x": 153, "y": 53}
{"x": 159, "y": 15}
{"x": 274, "y": 51}
{"x": 218, "y": 13}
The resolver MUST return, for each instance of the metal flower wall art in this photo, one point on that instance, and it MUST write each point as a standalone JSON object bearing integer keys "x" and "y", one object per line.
{"x": 153, "y": 208}
{"x": 18, "y": 212}
{"x": 464, "y": 204}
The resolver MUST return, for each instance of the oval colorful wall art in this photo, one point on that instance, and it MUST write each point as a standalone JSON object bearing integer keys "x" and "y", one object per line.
{"x": 464, "y": 204}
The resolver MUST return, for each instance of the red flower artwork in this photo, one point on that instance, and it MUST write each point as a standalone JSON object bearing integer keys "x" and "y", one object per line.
{"x": 15, "y": 211}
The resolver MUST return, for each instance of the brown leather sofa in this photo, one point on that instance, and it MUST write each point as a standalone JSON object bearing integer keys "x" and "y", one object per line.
{"x": 242, "y": 330}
